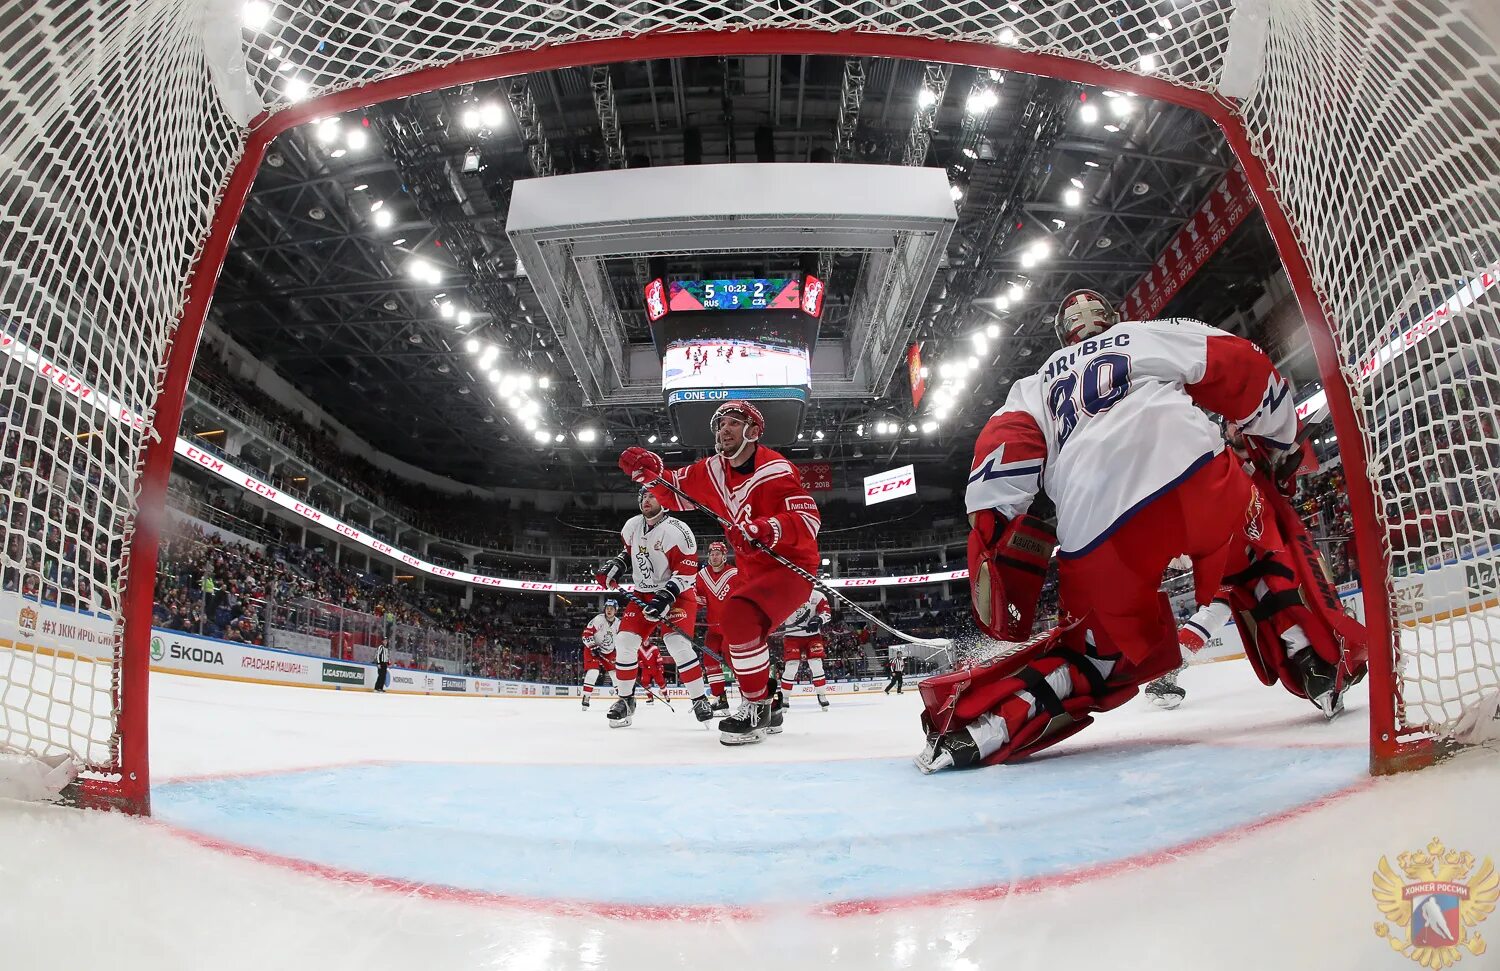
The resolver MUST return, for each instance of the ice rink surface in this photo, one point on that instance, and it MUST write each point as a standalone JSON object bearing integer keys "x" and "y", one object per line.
{"x": 299, "y": 828}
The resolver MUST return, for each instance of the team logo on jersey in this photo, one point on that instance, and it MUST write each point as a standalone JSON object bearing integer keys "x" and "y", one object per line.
{"x": 1438, "y": 907}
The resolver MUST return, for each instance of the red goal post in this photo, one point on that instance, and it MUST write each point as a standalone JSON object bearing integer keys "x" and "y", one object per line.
{"x": 135, "y": 161}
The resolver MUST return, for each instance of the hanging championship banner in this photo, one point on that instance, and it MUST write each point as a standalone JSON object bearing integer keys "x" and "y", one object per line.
{"x": 914, "y": 372}
{"x": 1224, "y": 209}
{"x": 817, "y": 476}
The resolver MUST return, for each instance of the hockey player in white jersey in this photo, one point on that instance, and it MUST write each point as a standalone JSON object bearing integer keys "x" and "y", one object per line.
{"x": 804, "y": 640}
{"x": 661, "y": 555}
{"x": 1111, "y": 426}
{"x": 599, "y": 646}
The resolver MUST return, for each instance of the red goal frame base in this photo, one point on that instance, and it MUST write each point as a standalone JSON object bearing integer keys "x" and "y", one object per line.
{"x": 133, "y": 792}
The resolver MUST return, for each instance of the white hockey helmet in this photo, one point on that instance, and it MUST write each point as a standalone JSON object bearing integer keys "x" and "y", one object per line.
{"x": 1083, "y": 314}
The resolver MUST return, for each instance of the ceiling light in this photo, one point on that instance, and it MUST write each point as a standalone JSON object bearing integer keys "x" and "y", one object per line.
{"x": 489, "y": 113}
{"x": 982, "y": 101}
{"x": 1016, "y": 293}
{"x": 926, "y": 97}
{"x": 799, "y": 436}
{"x": 559, "y": 437}
{"x": 911, "y": 427}
{"x": 1028, "y": 259}
{"x": 928, "y": 427}
{"x": 295, "y": 90}
{"x": 418, "y": 269}
{"x": 544, "y": 382}
{"x": 543, "y": 436}
{"x": 1111, "y": 128}
{"x": 860, "y": 431}
{"x": 507, "y": 385}
{"x": 255, "y": 14}
{"x": 377, "y": 205}
{"x": 1076, "y": 182}
{"x": 487, "y": 357}
{"x": 356, "y": 139}
{"x": 494, "y": 375}
{"x": 1002, "y": 303}
{"x": 1088, "y": 114}
{"x": 1120, "y": 107}
{"x": 587, "y": 435}
{"x": 1092, "y": 165}
{"x": 328, "y": 131}
{"x": 1072, "y": 197}
{"x": 818, "y": 435}
{"x": 651, "y": 440}
{"x": 445, "y": 309}
{"x": 1060, "y": 224}
{"x": 674, "y": 439}
{"x": 398, "y": 242}
{"x": 470, "y": 119}
{"x": 464, "y": 317}
{"x": 528, "y": 423}
{"x": 524, "y": 382}
{"x": 970, "y": 153}
{"x": 383, "y": 219}
{"x": 1007, "y": 36}
{"x": 361, "y": 187}
{"x": 955, "y": 192}
{"x": 1147, "y": 63}
{"x": 1042, "y": 248}
{"x": 980, "y": 341}
{"x": 471, "y": 345}
{"x": 992, "y": 331}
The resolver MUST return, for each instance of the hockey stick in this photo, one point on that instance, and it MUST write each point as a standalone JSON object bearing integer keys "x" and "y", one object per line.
{"x": 701, "y": 649}
{"x": 828, "y": 591}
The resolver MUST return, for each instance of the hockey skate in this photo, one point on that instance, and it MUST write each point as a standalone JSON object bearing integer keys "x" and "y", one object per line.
{"x": 621, "y": 713}
{"x": 822, "y": 701}
{"x": 703, "y": 708}
{"x": 1165, "y": 692}
{"x": 947, "y": 750}
{"x": 1319, "y": 680}
{"x": 585, "y": 702}
{"x": 746, "y": 726}
{"x": 721, "y": 705}
{"x": 778, "y": 714}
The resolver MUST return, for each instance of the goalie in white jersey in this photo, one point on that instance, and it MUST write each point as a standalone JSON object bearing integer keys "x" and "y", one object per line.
{"x": 1111, "y": 426}
{"x": 661, "y": 555}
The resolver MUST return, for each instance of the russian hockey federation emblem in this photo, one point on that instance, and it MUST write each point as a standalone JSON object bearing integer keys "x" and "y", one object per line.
{"x": 26, "y": 621}
{"x": 1438, "y": 906}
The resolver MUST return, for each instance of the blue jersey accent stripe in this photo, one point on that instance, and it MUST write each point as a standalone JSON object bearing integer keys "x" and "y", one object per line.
{"x": 1114, "y": 527}
{"x": 988, "y": 471}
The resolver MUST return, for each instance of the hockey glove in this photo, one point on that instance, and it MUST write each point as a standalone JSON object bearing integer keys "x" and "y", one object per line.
{"x": 641, "y": 465}
{"x": 766, "y": 531}
{"x": 609, "y": 572}
{"x": 659, "y": 605}
{"x": 815, "y": 624}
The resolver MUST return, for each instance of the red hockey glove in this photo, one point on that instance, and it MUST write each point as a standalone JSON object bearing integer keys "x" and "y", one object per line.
{"x": 766, "y": 531}
{"x": 1007, "y": 563}
{"x": 641, "y": 465}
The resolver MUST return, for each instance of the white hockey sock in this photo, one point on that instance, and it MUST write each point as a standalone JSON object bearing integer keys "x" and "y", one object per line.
{"x": 1295, "y": 639}
{"x": 689, "y": 668}
{"x": 789, "y": 674}
{"x": 815, "y": 668}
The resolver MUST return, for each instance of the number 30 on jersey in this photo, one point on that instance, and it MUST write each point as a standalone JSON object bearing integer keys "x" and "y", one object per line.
{"x": 1101, "y": 384}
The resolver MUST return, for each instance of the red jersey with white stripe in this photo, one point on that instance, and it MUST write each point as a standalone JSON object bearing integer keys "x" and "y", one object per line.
{"x": 1112, "y": 422}
{"x": 766, "y": 486}
{"x": 600, "y": 634}
{"x": 713, "y": 588}
{"x": 662, "y": 554}
{"x": 798, "y": 625}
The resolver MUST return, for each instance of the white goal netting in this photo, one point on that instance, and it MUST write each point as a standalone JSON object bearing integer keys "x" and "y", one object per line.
{"x": 120, "y": 124}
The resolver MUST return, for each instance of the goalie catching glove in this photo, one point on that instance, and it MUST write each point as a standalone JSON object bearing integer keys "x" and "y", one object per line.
{"x": 1007, "y": 562}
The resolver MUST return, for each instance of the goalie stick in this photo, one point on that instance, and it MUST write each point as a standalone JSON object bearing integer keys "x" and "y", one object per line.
{"x": 941, "y": 642}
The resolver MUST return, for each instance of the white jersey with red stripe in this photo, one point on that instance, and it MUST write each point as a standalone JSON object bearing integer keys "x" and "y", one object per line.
{"x": 767, "y": 486}
{"x": 713, "y": 589}
{"x": 800, "y": 623}
{"x": 661, "y": 554}
{"x": 1110, "y": 423}
{"x": 600, "y": 633}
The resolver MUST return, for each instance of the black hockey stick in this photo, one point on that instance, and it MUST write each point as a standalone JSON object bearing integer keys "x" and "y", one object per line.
{"x": 684, "y": 634}
{"x": 941, "y": 642}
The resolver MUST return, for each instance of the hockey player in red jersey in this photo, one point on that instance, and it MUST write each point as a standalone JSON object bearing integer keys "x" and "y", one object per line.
{"x": 599, "y": 646}
{"x": 804, "y": 640}
{"x": 653, "y": 672}
{"x": 712, "y": 584}
{"x": 761, "y": 493}
{"x": 1111, "y": 426}
{"x": 661, "y": 554}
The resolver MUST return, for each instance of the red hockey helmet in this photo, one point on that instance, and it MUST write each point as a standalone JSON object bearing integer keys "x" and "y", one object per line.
{"x": 745, "y": 412}
{"x": 718, "y": 547}
{"x": 1083, "y": 314}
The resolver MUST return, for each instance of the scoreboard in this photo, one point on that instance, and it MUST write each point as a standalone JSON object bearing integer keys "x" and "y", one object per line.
{"x": 750, "y": 294}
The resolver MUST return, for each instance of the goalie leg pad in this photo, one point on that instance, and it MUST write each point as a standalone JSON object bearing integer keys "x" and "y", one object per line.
{"x": 1007, "y": 564}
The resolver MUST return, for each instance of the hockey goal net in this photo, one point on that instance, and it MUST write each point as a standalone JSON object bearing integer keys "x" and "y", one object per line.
{"x": 131, "y": 134}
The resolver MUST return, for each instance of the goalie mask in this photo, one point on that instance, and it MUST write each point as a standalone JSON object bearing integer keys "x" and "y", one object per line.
{"x": 1083, "y": 314}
